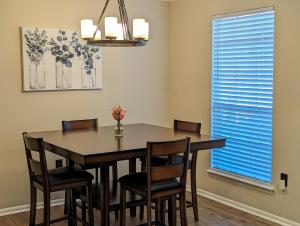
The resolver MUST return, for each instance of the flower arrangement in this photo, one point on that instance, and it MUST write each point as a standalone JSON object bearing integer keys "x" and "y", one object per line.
{"x": 60, "y": 49}
{"x": 118, "y": 113}
{"x": 88, "y": 53}
{"x": 36, "y": 42}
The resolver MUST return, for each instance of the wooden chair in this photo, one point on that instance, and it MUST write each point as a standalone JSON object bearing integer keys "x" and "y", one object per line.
{"x": 48, "y": 181}
{"x": 88, "y": 124}
{"x": 189, "y": 127}
{"x": 159, "y": 182}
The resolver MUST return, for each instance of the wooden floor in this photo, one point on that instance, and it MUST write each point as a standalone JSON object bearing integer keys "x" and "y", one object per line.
{"x": 211, "y": 214}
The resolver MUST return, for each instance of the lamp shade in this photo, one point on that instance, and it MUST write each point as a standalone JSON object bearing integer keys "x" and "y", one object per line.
{"x": 111, "y": 24}
{"x": 138, "y": 28}
{"x": 120, "y": 34}
{"x": 146, "y": 30}
{"x": 87, "y": 29}
{"x": 98, "y": 35}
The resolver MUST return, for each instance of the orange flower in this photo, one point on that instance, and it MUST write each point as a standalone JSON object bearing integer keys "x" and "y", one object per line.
{"x": 118, "y": 113}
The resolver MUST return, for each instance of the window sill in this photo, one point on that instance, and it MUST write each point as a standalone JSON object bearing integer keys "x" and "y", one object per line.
{"x": 242, "y": 179}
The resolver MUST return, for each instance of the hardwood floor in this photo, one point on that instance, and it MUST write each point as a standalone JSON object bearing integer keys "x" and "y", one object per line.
{"x": 211, "y": 213}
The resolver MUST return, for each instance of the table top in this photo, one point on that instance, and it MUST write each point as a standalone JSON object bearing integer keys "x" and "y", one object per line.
{"x": 91, "y": 146}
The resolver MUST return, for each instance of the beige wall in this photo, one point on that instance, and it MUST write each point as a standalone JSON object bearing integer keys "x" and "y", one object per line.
{"x": 133, "y": 77}
{"x": 138, "y": 78}
{"x": 190, "y": 57}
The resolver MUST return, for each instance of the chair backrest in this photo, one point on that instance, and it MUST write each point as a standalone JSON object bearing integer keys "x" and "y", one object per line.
{"x": 84, "y": 124}
{"x": 38, "y": 166}
{"x": 173, "y": 169}
{"x": 192, "y": 127}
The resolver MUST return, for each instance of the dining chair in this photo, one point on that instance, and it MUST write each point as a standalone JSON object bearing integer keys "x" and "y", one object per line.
{"x": 88, "y": 124}
{"x": 189, "y": 127}
{"x": 159, "y": 183}
{"x": 59, "y": 179}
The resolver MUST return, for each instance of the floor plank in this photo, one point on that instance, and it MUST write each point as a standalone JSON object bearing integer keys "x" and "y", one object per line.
{"x": 211, "y": 214}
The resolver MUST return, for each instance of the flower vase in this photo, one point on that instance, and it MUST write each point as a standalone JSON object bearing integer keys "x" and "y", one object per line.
{"x": 118, "y": 129}
{"x": 63, "y": 76}
{"x": 37, "y": 75}
{"x": 88, "y": 77}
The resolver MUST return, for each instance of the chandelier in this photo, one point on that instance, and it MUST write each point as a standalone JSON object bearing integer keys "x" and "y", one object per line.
{"x": 116, "y": 34}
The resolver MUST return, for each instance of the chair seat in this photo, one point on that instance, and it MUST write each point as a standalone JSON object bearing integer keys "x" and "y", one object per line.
{"x": 65, "y": 175}
{"x": 139, "y": 181}
{"x": 160, "y": 161}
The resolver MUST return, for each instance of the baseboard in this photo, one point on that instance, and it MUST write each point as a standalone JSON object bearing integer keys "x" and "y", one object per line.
{"x": 24, "y": 208}
{"x": 246, "y": 208}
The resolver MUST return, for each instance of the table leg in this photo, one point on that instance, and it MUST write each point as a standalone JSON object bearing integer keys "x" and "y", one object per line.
{"x": 132, "y": 169}
{"x": 172, "y": 210}
{"x": 70, "y": 164}
{"x": 105, "y": 195}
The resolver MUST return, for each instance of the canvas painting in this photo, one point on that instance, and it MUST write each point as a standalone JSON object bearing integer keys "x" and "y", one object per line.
{"x": 58, "y": 59}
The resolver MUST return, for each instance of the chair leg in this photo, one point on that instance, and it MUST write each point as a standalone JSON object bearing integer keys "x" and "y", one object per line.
{"x": 157, "y": 211}
{"x": 141, "y": 212}
{"x": 182, "y": 209}
{"x": 116, "y": 214}
{"x": 69, "y": 207}
{"x": 143, "y": 164}
{"x": 90, "y": 204}
{"x": 46, "y": 208}
{"x": 149, "y": 219}
{"x": 83, "y": 210}
{"x": 115, "y": 171}
{"x": 65, "y": 205}
{"x": 122, "y": 205}
{"x": 32, "y": 206}
{"x": 74, "y": 212}
{"x": 143, "y": 168}
{"x": 194, "y": 187}
{"x": 172, "y": 210}
{"x": 96, "y": 176}
{"x": 162, "y": 212}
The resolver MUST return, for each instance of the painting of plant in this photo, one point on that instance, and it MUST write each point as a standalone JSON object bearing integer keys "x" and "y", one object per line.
{"x": 58, "y": 59}
{"x": 63, "y": 54}
{"x": 36, "y": 43}
{"x": 89, "y": 55}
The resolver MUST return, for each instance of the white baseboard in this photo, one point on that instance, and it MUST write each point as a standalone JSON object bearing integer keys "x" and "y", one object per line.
{"x": 24, "y": 208}
{"x": 246, "y": 208}
{"x": 237, "y": 205}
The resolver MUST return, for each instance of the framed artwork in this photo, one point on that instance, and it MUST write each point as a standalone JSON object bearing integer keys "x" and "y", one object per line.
{"x": 58, "y": 59}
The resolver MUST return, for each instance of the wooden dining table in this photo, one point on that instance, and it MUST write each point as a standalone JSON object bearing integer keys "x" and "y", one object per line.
{"x": 100, "y": 148}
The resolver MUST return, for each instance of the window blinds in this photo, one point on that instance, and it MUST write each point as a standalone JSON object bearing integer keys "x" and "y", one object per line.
{"x": 242, "y": 92}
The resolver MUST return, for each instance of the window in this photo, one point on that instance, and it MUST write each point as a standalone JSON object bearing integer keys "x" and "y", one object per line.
{"x": 242, "y": 92}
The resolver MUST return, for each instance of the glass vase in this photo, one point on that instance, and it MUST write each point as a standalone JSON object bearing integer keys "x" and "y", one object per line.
{"x": 37, "y": 75}
{"x": 118, "y": 129}
{"x": 88, "y": 80}
{"x": 63, "y": 76}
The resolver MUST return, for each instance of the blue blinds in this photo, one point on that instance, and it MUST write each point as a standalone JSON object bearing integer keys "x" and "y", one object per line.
{"x": 242, "y": 93}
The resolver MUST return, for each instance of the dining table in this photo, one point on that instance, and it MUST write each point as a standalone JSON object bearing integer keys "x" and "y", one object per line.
{"x": 100, "y": 147}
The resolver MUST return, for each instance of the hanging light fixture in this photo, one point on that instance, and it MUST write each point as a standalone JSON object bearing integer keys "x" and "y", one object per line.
{"x": 116, "y": 34}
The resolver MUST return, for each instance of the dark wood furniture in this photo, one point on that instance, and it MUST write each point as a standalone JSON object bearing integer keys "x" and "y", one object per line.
{"x": 159, "y": 182}
{"x": 60, "y": 179}
{"x": 88, "y": 124}
{"x": 195, "y": 128}
{"x": 189, "y": 127}
{"x": 88, "y": 147}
